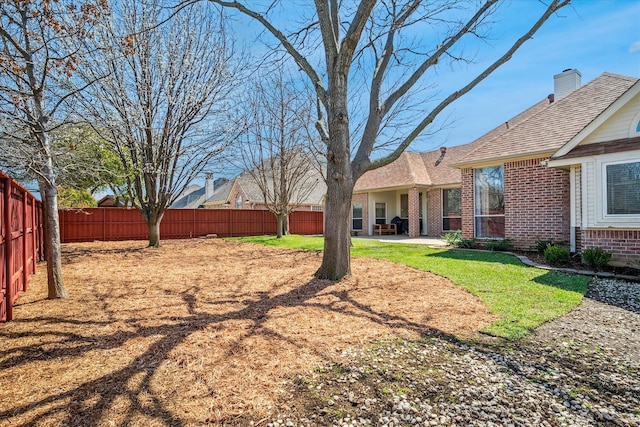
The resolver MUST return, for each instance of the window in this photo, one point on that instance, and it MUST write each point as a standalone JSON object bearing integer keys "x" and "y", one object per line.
{"x": 489, "y": 202}
{"x": 381, "y": 213}
{"x": 638, "y": 128}
{"x": 404, "y": 206}
{"x": 451, "y": 209}
{"x": 356, "y": 216}
{"x": 623, "y": 188}
{"x": 239, "y": 201}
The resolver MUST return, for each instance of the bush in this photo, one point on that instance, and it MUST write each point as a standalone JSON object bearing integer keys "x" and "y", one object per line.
{"x": 500, "y": 245}
{"x": 453, "y": 238}
{"x": 541, "y": 245}
{"x": 556, "y": 255}
{"x": 596, "y": 257}
{"x": 468, "y": 244}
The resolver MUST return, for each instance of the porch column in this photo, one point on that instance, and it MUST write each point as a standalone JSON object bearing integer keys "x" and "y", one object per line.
{"x": 414, "y": 213}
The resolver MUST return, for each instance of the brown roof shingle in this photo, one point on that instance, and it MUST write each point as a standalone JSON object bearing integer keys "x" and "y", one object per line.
{"x": 548, "y": 126}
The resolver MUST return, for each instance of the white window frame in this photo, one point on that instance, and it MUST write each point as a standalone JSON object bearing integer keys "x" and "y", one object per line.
{"x": 605, "y": 219}
{"x": 503, "y": 215}
{"x": 375, "y": 213}
{"x": 361, "y": 218}
{"x": 239, "y": 201}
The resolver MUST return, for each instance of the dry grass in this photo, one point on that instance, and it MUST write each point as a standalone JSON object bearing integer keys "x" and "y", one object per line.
{"x": 201, "y": 331}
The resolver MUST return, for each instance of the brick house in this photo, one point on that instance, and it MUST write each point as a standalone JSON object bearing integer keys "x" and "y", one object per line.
{"x": 566, "y": 169}
{"x": 570, "y": 172}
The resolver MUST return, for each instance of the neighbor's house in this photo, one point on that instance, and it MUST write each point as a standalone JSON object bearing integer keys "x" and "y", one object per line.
{"x": 566, "y": 169}
{"x": 243, "y": 192}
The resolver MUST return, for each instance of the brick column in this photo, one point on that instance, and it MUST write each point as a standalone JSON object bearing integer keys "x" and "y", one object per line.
{"x": 467, "y": 203}
{"x": 414, "y": 213}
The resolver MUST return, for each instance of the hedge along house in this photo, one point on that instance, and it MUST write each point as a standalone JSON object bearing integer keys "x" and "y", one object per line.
{"x": 569, "y": 172}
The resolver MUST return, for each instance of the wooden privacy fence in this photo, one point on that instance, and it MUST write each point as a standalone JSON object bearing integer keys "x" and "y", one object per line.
{"x": 89, "y": 224}
{"x": 21, "y": 241}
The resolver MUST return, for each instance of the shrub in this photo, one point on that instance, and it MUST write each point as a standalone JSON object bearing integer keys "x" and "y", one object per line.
{"x": 468, "y": 244}
{"x": 499, "y": 245}
{"x": 541, "y": 245}
{"x": 453, "y": 238}
{"x": 556, "y": 255}
{"x": 596, "y": 257}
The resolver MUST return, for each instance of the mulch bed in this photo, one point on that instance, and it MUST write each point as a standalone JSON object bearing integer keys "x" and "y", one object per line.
{"x": 202, "y": 331}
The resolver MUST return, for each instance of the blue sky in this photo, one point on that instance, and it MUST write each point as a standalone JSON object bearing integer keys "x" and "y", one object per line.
{"x": 591, "y": 36}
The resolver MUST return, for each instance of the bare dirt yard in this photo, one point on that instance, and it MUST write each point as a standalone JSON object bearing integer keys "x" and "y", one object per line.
{"x": 203, "y": 332}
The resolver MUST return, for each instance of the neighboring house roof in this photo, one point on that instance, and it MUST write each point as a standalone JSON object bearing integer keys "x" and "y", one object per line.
{"x": 110, "y": 201}
{"x": 194, "y": 196}
{"x": 251, "y": 190}
{"x": 546, "y": 128}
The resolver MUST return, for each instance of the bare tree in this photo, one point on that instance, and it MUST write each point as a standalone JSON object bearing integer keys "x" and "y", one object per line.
{"x": 39, "y": 55}
{"x": 277, "y": 153}
{"x": 166, "y": 103}
{"x": 392, "y": 48}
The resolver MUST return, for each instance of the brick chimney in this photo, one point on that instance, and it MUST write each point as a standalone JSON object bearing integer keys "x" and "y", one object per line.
{"x": 565, "y": 83}
{"x": 208, "y": 185}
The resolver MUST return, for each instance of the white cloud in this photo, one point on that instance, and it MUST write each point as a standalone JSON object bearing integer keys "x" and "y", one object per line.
{"x": 635, "y": 47}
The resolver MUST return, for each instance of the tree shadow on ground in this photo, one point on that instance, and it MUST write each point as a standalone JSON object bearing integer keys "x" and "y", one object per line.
{"x": 92, "y": 401}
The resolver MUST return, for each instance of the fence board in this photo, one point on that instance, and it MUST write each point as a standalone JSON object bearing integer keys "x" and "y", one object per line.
{"x": 20, "y": 243}
{"x": 89, "y": 224}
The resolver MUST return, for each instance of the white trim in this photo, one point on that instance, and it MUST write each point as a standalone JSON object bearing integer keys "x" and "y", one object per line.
{"x": 599, "y": 120}
{"x": 603, "y": 219}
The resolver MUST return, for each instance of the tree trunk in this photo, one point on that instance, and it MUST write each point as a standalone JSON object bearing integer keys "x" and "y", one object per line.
{"x": 336, "y": 258}
{"x": 153, "y": 224}
{"x": 280, "y": 225}
{"x": 52, "y": 250}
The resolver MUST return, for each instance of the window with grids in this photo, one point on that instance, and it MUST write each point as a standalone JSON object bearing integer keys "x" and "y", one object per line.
{"x": 623, "y": 188}
{"x": 489, "y": 202}
{"x": 381, "y": 213}
{"x": 451, "y": 209}
{"x": 356, "y": 216}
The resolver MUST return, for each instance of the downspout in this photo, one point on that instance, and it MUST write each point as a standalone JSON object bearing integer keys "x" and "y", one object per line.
{"x": 572, "y": 209}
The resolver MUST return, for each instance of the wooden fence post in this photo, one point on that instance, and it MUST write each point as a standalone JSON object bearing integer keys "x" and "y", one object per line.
{"x": 25, "y": 253}
{"x": 8, "y": 252}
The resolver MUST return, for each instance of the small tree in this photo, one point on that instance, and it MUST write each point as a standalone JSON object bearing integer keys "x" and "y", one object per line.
{"x": 39, "y": 53}
{"x": 165, "y": 106}
{"x": 368, "y": 59}
{"x": 276, "y": 154}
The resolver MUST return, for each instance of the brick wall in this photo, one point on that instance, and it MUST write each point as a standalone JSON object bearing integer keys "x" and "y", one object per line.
{"x": 364, "y": 199}
{"x": 536, "y": 202}
{"x": 467, "y": 204}
{"x": 624, "y": 244}
{"x": 434, "y": 213}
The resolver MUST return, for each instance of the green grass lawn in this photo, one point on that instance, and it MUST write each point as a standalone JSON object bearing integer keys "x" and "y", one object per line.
{"x": 523, "y": 297}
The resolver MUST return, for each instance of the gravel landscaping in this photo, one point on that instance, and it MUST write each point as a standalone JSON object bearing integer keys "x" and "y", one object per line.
{"x": 580, "y": 370}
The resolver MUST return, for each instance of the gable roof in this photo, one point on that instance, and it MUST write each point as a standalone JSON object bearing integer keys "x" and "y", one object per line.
{"x": 548, "y": 127}
{"x": 415, "y": 169}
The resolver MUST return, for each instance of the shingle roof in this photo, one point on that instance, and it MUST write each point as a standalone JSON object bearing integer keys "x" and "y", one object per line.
{"x": 548, "y": 127}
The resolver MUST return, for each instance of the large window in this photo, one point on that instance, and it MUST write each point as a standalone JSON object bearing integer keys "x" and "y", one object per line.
{"x": 239, "y": 201}
{"x": 356, "y": 216}
{"x": 381, "y": 213}
{"x": 623, "y": 188}
{"x": 451, "y": 209}
{"x": 489, "y": 202}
